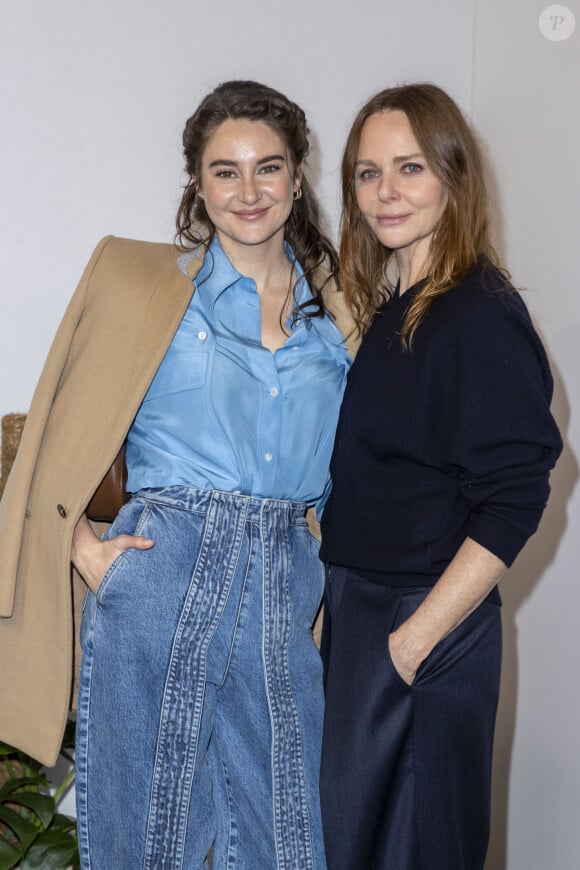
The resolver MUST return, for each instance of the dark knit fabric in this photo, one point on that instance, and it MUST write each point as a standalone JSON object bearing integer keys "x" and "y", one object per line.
{"x": 452, "y": 438}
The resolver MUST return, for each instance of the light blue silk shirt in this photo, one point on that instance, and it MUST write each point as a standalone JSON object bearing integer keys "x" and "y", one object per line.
{"x": 224, "y": 412}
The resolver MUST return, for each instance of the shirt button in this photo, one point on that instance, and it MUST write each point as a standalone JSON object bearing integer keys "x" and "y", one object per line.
{"x": 61, "y": 510}
{"x": 268, "y": 457}
{"x": 202, "y": 335}
{"x": 273, "y": 392}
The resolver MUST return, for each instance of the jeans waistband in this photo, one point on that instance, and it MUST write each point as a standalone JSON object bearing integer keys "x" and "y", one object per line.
{"x": 193, "y": 499}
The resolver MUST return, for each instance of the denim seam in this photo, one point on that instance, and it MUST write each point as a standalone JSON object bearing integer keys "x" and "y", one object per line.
{"x": 232, "y": 828}
{"x": 290, "y": 804}
{"x": 238, "y": 613}
{"x": 181, "y": 715}
{"x": 81, "y": 758}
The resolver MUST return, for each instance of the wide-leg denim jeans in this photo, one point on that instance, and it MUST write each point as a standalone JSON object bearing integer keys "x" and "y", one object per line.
{"x": 201, "y": 703}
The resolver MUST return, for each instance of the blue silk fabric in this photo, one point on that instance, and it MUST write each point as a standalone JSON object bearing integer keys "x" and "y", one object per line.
{"x": 225, "y": 413}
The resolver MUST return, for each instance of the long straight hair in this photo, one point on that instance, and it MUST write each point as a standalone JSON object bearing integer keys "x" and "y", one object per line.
{"x": 462, "y": 234}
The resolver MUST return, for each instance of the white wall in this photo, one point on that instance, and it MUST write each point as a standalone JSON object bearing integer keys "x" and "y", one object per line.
{"x": 528, "y": 111}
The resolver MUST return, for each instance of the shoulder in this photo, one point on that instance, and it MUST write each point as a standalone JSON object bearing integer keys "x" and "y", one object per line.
{"x": 484, "y": 299}
{"x": 127, "y": 272}
{"x": 483, "y": 323}
{"x": 132, "y": 255}
{"x": 485, "y": 288}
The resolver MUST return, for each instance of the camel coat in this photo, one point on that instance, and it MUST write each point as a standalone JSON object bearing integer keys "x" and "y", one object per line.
{"x": 117, "y": 327}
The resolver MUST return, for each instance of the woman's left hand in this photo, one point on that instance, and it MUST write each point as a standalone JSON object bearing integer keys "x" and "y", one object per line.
{"x": 465, "y": 583}
{"x": 405, "y": 662}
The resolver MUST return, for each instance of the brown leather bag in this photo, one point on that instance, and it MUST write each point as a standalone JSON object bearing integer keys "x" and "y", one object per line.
{"x": 111, "y": 494}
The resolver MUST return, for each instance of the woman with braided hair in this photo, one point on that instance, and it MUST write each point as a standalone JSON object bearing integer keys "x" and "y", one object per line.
{"x": 200, "y": 700}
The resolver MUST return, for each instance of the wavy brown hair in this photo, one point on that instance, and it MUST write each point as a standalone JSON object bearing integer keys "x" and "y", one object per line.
{"x": 248, "y": 100}
{"x": 462, "y": 235}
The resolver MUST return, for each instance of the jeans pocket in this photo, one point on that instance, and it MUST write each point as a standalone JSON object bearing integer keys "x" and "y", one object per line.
{"x": 129, "y": 521}
{"x": 303, "y": 524}
{"x": 316, "y": 573}
{"x": 111, "y": 570}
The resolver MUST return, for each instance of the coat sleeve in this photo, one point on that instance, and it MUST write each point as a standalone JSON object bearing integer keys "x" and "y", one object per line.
{"x": 14, "y": 502}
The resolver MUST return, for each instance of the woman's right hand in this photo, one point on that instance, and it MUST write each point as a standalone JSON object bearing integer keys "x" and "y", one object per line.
{"x": 92, "y": 557}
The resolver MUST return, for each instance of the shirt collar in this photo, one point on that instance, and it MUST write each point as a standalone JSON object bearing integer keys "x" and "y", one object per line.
{"x": 223, "y": 275}
{"x": 215, "y": 264}
{"x": 217, "y": 273}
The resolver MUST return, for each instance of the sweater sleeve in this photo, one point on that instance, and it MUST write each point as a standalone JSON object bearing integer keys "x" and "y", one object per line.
{"x": 502, "y": 440}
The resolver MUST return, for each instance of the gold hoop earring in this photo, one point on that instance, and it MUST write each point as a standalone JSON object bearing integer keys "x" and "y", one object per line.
{"x": 297, "y": 193}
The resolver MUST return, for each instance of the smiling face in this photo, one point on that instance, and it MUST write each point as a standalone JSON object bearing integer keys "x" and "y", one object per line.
{"x": 247, "y": 182}
{"x": 398, "y": 194}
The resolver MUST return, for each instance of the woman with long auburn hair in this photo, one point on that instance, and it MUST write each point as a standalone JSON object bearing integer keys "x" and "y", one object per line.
{"x": 440, "y": 474}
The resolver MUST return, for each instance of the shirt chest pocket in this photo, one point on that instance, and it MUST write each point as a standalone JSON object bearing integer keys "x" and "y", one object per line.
{"x": 180, "y": 372}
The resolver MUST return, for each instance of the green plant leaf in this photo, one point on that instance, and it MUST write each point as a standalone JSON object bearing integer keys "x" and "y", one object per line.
{"x": 47, "y": 839}
{"x": 19, "y": 782}
{"x": 41, "y": 804}
{"x": 24, "y": 829}
{"x": 10, "y": 854}
{"x": 64, "y": 823}
{"x": 53, "y": 850}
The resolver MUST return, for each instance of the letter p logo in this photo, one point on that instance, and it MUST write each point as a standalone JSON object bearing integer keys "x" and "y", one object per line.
{"x": 557, "y": 23}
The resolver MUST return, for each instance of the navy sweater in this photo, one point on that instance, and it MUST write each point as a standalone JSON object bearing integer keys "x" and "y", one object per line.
{"x": 452, "y": 438}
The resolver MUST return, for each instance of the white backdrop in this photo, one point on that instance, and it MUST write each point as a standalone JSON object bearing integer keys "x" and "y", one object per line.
{"x": 526, "y": 108}
{"x": 93, "y": 98}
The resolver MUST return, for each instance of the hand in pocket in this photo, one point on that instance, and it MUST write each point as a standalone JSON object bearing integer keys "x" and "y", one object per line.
{"x": 405, "y": 665}
{"x": 92, "y": 558}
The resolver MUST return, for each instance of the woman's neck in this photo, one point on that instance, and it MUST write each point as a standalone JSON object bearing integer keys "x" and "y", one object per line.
{"x": 266, "y": 263}
{"x": 412, "y": 263}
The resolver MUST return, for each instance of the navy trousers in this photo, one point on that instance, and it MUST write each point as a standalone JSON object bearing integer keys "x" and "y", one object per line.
{"x": 406, "y": 770}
